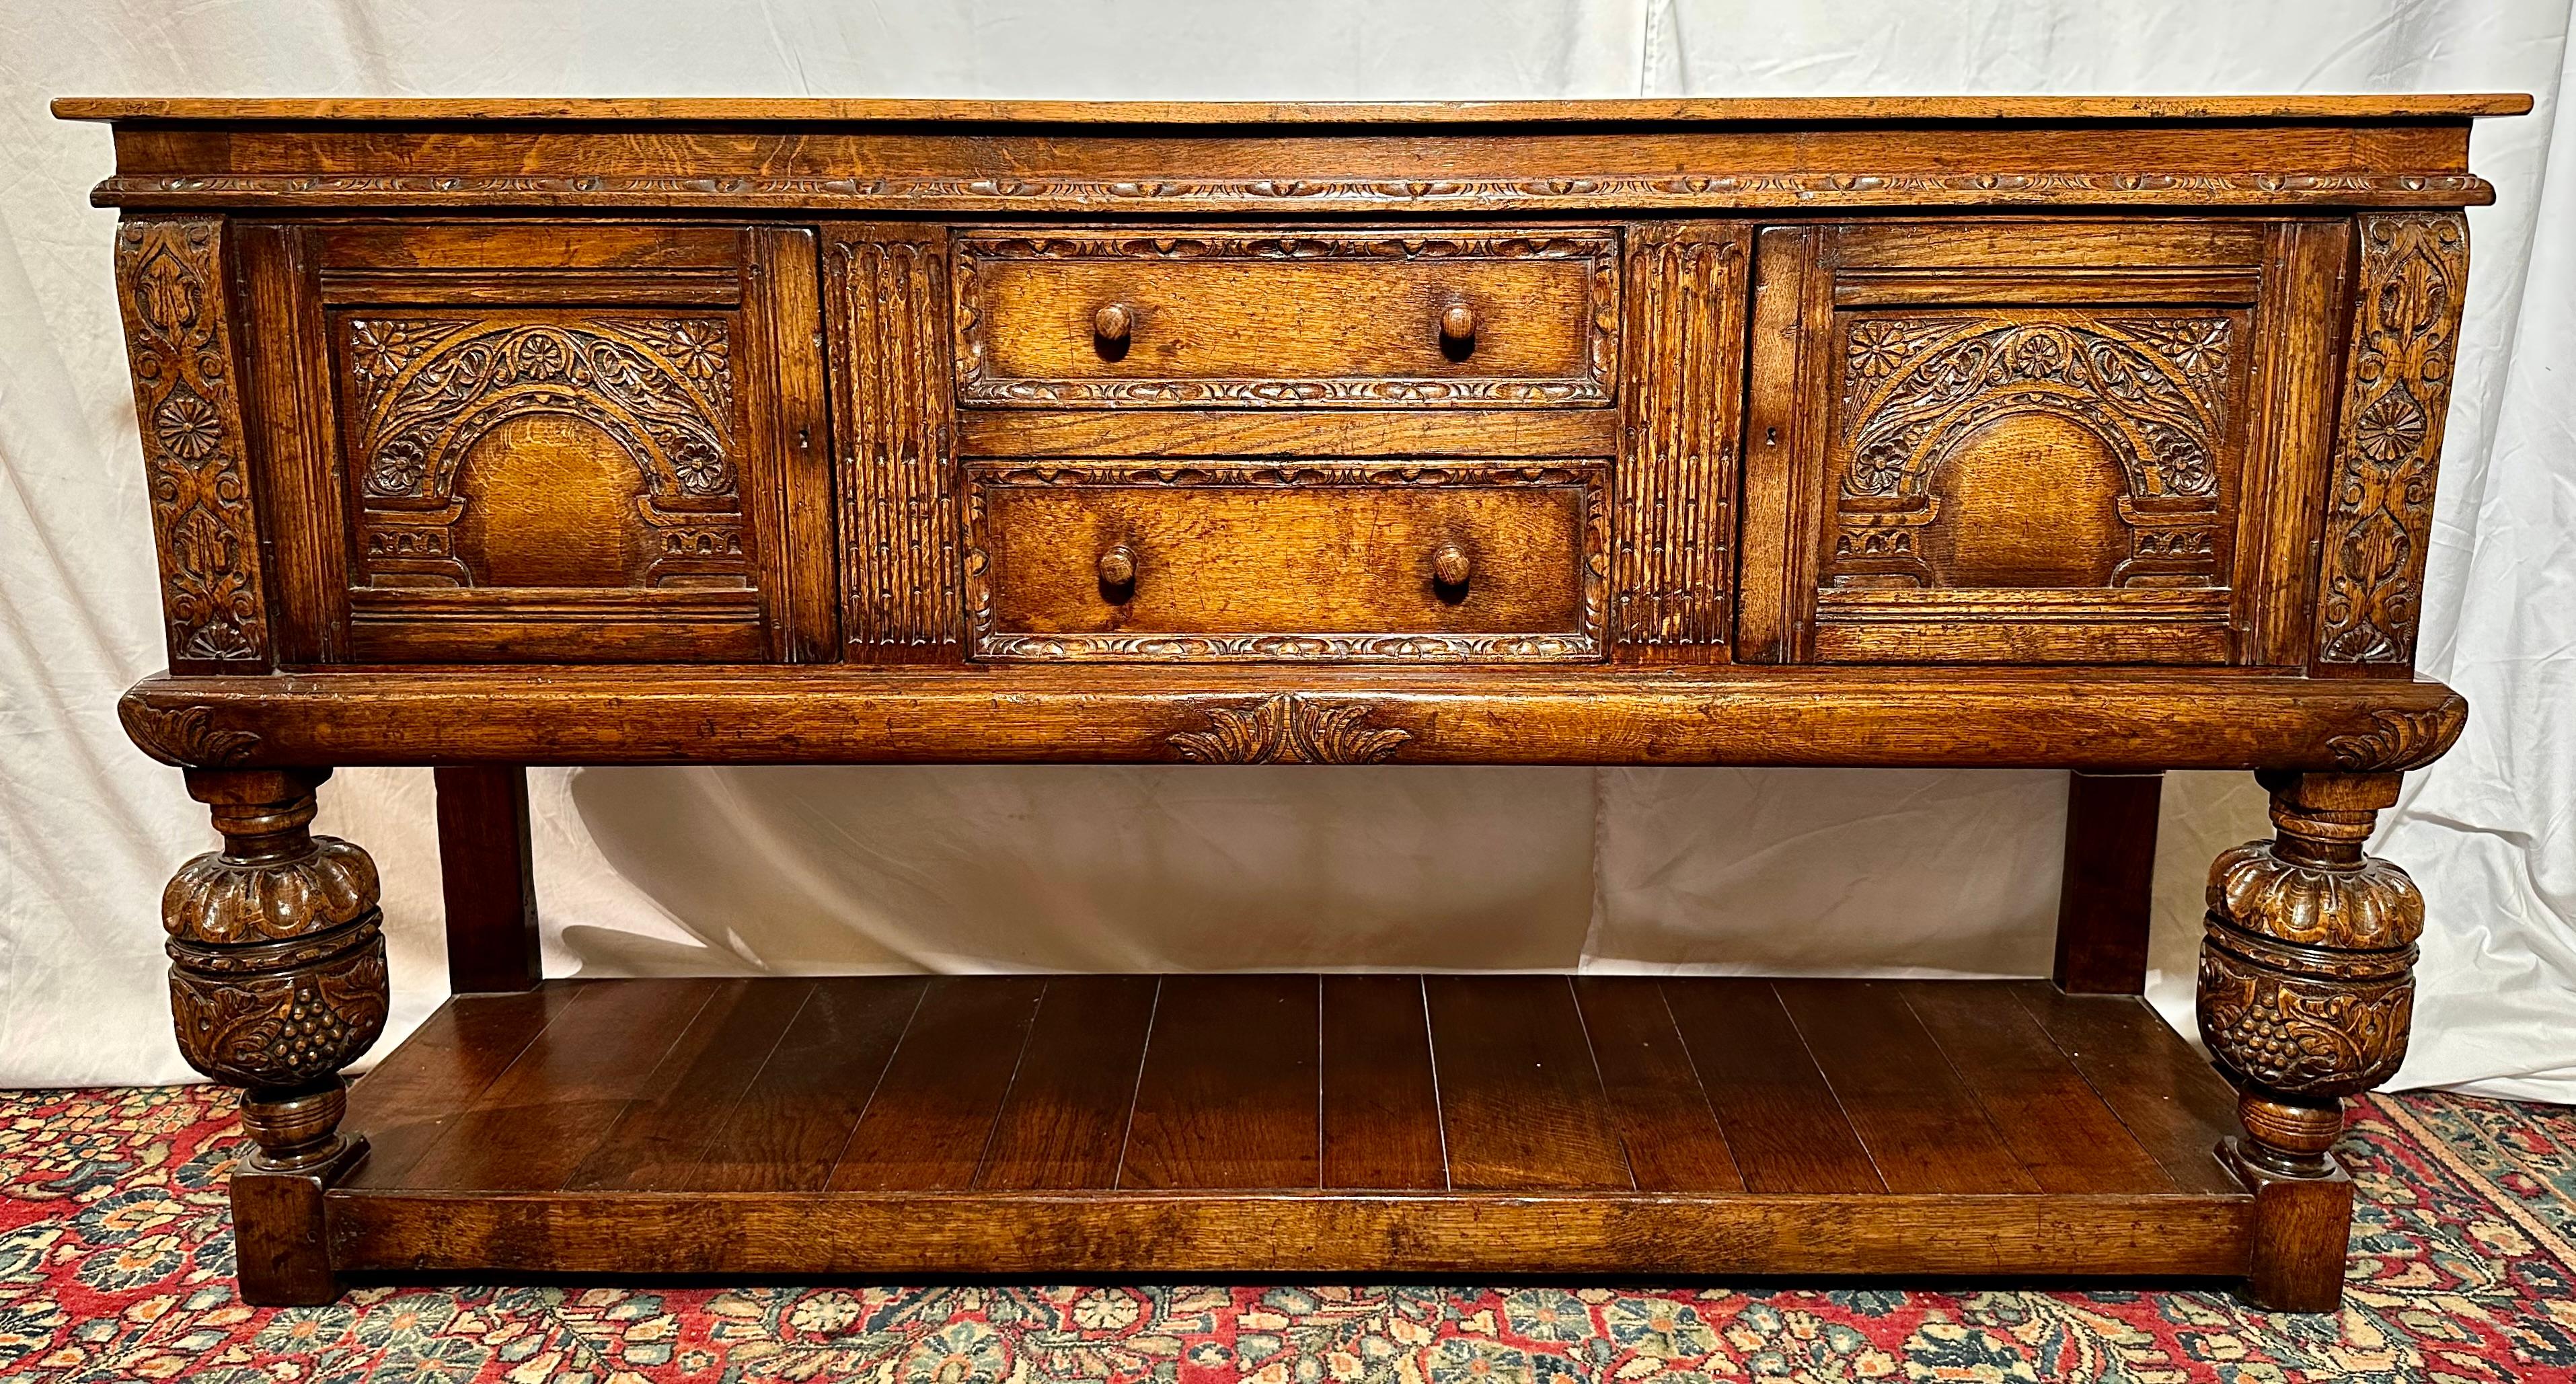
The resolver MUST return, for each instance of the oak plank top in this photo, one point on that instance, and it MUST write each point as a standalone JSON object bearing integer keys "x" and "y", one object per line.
{"x": 1694, "y": 110}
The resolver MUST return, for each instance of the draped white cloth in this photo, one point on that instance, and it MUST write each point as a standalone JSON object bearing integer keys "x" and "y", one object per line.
{"x": 962, "y": 869}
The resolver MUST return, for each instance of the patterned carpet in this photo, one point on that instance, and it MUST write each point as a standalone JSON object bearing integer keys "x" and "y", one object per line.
{"x": 116, "y": 1262}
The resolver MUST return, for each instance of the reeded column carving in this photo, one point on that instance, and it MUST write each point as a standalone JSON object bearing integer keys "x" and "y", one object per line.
{"x": 277, "y": 976}
{"x": 2306, "y": 972}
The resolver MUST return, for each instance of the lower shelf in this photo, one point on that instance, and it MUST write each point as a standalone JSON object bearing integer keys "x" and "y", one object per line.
{"x": 1292, "y": 1124}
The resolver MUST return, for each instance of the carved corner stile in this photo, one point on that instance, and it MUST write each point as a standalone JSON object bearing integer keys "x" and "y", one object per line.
{"x": 2388, "y": 443}
{"x": 187, "y": 401}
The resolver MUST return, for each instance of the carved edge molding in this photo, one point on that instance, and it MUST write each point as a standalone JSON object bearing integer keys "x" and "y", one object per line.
{"x": 1672, "y": 563}
{"x": 183, "y": 735}
{"x": 987, "y": 641}
{"x": 2400, "y": 740}
{"x": 1598, "y": 252}
{"x": 1714, "y": 192}
{"x": 170, "y": 284}
{"x": 1289, "y": 728}
{"x": 898, "y": 506}
{"x": 2388, "y": 443}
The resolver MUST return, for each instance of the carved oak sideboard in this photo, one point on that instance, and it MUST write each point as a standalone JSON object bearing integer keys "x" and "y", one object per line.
{"x": 2088, "y": 433}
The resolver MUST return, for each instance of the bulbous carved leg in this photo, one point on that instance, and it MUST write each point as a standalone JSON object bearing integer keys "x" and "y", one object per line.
{"x": 277, "y": 981}
{"x": 2306, "y": 992}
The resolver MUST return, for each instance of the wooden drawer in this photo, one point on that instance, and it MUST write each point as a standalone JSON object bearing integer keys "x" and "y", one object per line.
{"x": 1322, "y": 561}
{"x": 1271, "y": 319}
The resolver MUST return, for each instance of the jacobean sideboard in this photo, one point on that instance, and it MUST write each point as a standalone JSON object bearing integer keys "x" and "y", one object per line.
{"x": 2089, "y": 433}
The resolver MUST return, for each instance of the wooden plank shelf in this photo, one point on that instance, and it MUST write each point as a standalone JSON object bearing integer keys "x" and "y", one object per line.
{"x": 1232, "y": 1124}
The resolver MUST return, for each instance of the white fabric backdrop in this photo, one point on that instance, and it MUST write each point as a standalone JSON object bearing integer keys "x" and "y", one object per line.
{"x": 655, "y": 871}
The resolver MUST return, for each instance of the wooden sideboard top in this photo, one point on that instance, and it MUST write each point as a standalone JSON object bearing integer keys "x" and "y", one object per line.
{"x": 1701, "y": 110}
{"x": 978, "y": 158}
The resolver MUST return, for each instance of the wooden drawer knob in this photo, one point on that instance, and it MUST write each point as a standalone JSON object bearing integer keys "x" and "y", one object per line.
{"x": 1458, "y": 329}
{"x": 1118, "y": 571}
{"x": 1110, "y": 325}
{"x": 1450, "y": 567}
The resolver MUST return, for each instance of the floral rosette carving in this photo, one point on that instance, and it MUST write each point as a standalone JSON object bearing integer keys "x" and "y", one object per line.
{"x": 2370, "y": 906}
{"x": 220, "y": 900}
{"x": 281, "y": 1028}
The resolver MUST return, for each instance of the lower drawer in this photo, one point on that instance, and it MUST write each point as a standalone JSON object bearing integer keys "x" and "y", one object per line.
{"x": 1325, "y": 561}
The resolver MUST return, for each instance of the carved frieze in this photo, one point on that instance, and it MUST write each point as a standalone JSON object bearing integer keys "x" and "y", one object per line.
{"x": 1289, "y": 728}
{"x": 169, "y": 275}
{"x": 1567, "y": 192}
{"x": 2397, "y": 387}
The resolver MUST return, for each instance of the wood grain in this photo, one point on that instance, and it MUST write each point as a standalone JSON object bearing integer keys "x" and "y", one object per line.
{"x": 1064, "y": 1123}
{"x": 1381, "y": 1101}
{"x": 794, "y": 1120}
{"x": 2106, "y": 903}
{"x": 1756, "y": 108}
{"x": 1666, "y": 1128}
{"x": 1521, "y": 1103}
{"x": 1229, "y": 1092}
{"x": 932, "y": 1115}
{"x": 487, "y": 875}
{"x": 1269, "y": 570}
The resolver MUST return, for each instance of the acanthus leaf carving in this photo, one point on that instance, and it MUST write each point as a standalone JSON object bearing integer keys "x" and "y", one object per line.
{"x": 185, "y": 735}
{"x": 2302, "y": 1035}
{"x": 288, "y": 1025}
{"x": 2400, "y": 739}
{"x": 1290, "y": 728}
{"x": 2414, "y": 268}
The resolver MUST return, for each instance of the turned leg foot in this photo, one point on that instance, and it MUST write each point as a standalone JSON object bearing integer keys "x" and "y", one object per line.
{"x": 277, "y": 981}
{"x": 2306, "y": 993}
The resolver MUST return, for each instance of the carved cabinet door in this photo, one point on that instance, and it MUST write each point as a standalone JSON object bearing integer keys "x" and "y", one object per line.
{"x": 2037, "y": 441}
{"x": 545, "y": 443}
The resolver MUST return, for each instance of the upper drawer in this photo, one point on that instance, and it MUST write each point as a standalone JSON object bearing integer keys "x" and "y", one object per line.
{"x": 1266, "y": 319}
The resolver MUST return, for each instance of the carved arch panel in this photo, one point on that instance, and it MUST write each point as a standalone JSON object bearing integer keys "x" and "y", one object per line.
{"x": 2032, "y": 441}
{"x": 427, "y": 392}
{"x": 524, "y": 442}
{"x": 2152, "y": 391}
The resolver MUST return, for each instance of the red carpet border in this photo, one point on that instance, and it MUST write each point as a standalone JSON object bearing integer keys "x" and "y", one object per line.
{"x": 116, "y": 1264}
